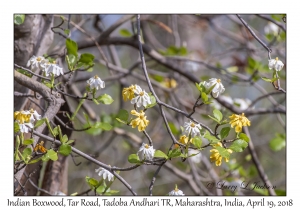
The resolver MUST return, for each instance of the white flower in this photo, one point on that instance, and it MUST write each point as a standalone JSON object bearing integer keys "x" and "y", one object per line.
{"x": 36, "y": 63}
{"x": 34, "y": 115}
{"x": 147, "y": 151}
{"x": 219, "y": 88}
{"x": 275, "y": 64}
{"x": 176, "y": 192}
{"x": 142, "y": 97}
{"x": 196, "y": 158}
{"x": 271, "y": 28}
{"x": 52, "y": 68}
{"x": 96, "y": 82}
{"x": 104, "y": 173}
{"x": 192, "y": 128}
{"x": 242, "y": 103}
{"x": 23, "y": 127}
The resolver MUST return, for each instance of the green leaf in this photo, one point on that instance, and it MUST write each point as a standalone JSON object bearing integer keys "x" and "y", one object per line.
{"x": 153, "y": 102}
{"x": 87, "y": 59}
{"x": 198, "y": 87}
{"x": 105, "y": 99}
{"x": 238, "y": 145}
{"x": 67, "y": 32}
{"x": 55, "y": 131}
{"x": 210, "y": 89}
{"x": 72, "y": 48}
{"x": 16, "y": 127}
{"x": 204, "y": 96}
{"x": 224, "y": 132}
{"x": 52, "y": 155}
{"x": 174, "y": 153}
{"x": 123, "y": 115}
{"x": 39, "y": 123}
{"x": 64, "y": 139}
{"x": 244, "y": 137}
{"x": 65, "y": 149}
{"x": 93, "y": 131}
{"x": 223, "y": 152}
{"x": 210, "y": 138}
{"x": 28, "y": 141}
{"x": 218, "y": 115}
{"x": 105, "y": 126}
{"x": 19, "y": 19}
{"x": 92, "y": 182}
{"x": 160, "y": 154}
{"x": 26, "y": 152}
{"x": 70, "y": 142}
{"x": 278, "y": 142}
{"x": 100, "y": 189}
{"x": 173, "y": 128}
{"x": 213, "y": 118}
{"x": 124, "y": 32}
{"x": 134, "y": 158}
{"x": 197, "y": 141}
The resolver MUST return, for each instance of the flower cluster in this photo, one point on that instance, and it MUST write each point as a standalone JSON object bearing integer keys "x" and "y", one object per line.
{"x": 26, "y": 118}
{"x": 40, "y": 63}
{"x": 95, "y": 82}
{"x": 275, "y": 64}
{"x": 140, "y": 121}
{"x": 192, "y": 128}
{"x": 239, "y": 121}
{"x": 218, "y": 86}
{"x": 146, "y": 151}
{"x": 215, "y": 155}
{"x": 136, "y": 95}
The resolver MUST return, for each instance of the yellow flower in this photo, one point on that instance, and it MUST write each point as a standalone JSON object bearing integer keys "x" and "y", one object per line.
{"x": 183, "y": 139}
{"x": 169, "y": 83}
{"x": 22, "y": 117}
{"x": 239, "y": 121}
{"x": 128, "y": 93}
{"x": 140, "y": 121}
{"x": 215, "y": 155}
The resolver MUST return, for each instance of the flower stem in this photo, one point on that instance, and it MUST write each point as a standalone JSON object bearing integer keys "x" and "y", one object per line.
{"x": 78, "y": 107}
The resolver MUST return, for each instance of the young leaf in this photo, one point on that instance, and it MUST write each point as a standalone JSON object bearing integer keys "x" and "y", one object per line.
{"x": 92, "y": 182}
{"x": 105, "y": 126}
{"x": 224, "y": 132}
{"x": 123, "y": 115}
{"x": 39, "y": 123}
{"x": 72, "y": 48}
{"x": 160, "y": 154}
{"x": 26, "y": 152}
{"x": 153, "y": 102}
{"x": 55, "y": 131}
{"x": 197, "y": 141}
{"x": 218, "y": 115}
{"x": 67, "y": 32}
{"x": 28, "y": 141}
{"x": 210, "y": 89}
{"x": 87, "y": 59}
{"x": 210, "y": 138}
{"x": 213, "y": 118}
{"x": 223, "y": 152}
{"x": 105, "y": 99}
{"x": 70, "y": 142}
{"x": 278, "y": 142}
{"x": 238, "y": 145}
{"x": 134, "y": 158}
{"x": 124, "y": 32}
{"x": 198, "y": 87}
{"x": 100, "y": 189}
{"x": 16, "y": 127}
{"x": 244, "y": 137}
{"x": 173, "y": 128}
{"x": 204, "y": 96}
{"x": 52, "y": 155}
{"x": 35, "y": 160}
{"x": 64, "y": 139}
{"x": 65, "y": 149}
{"x": 174, "y": 153}
{"x": 267, "y": 79}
